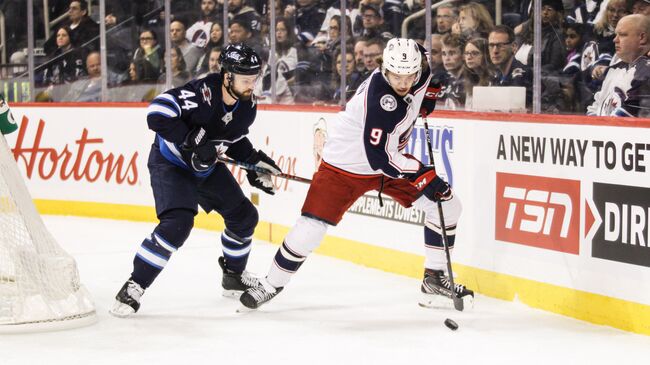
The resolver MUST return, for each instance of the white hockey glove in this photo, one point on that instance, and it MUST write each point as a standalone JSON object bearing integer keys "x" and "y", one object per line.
{"x": 262, "y": 180}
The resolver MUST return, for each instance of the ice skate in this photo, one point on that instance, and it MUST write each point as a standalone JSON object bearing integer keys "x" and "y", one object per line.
{"x": 127, "y": 300}
{"x": 253, "y": 298}
{"x": 235, "y": 284}
{"x": 436, "y": 291}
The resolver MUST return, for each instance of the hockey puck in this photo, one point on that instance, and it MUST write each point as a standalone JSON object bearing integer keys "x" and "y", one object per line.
{"x": 451, "y": 324}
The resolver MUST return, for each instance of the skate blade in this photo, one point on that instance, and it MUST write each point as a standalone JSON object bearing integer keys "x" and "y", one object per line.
{"x": 121, "y": 310}
{"x": 245, "y": 309}
{"x": 235, "y": 294}
{"x": 435, "y": 301}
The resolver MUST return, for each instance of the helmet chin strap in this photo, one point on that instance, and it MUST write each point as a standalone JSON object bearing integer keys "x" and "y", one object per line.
{"x": 231, "y": 79}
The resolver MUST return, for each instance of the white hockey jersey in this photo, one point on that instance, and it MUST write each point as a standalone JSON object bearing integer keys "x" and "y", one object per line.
{"x": 369, "y": 137}
{"x": 625, "y": 91}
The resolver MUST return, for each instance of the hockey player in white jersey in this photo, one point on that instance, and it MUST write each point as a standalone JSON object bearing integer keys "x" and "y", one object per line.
{"x": 364, "y": 152}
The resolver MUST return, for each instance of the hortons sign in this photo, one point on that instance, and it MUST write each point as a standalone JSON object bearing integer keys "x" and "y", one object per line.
{"x": 538, "y": 211}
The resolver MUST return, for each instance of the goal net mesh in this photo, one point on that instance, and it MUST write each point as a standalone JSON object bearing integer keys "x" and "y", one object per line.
{"x": 39, "y": 281}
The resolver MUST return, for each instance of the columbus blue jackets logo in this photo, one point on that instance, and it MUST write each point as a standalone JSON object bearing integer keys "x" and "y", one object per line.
{"x": 207, "y": 94}
{"x": 388, "y": 103}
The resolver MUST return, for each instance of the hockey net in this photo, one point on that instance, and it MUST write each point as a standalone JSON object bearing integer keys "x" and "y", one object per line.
{"x": 39, "y": 282}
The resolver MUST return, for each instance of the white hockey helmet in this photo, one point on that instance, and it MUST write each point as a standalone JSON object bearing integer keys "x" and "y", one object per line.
{"x": 402, "y": 57}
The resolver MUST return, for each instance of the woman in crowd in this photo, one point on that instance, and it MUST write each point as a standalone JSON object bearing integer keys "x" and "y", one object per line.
{"x": 286, "y": 54}
{"x": 180, "y": 75}
{"x": 474, "y": 21}
{"x": 215, "y": 41}
{"x": 66, "y": 63}
{"x": 353, "y": 78}
{"x": 148, "y": 56}
{"x": 477, "y": 70}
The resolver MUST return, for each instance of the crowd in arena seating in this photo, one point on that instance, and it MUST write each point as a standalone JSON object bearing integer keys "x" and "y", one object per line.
{"x": 467, "y": 48}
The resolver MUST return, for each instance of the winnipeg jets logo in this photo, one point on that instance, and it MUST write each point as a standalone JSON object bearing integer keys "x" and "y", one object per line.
{"x": 207, "y": 94}
{"x": 388, "y": 103}
{"x": 518, "y": 72}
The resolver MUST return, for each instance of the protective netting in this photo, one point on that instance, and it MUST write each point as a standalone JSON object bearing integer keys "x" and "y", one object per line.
{"x": 39, "y": 281}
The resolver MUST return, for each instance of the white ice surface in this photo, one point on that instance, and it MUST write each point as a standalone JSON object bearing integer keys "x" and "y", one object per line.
{"x": 333, "y": 312}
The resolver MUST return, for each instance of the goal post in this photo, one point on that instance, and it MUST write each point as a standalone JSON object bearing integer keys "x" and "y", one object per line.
{"x": 39, "y": 282}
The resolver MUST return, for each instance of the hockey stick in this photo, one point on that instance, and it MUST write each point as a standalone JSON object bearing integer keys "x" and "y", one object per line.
{"x": 458, "y": 302}
{"x": 248, "y": 166}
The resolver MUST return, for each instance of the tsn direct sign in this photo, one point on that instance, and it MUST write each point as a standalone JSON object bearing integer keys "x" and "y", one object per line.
{"x": 538, "y": 211}
{"x": 623, "y": 234}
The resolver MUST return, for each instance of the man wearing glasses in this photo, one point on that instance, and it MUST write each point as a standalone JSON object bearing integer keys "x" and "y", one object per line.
{"x": 373, "y": 21}
{"x": 510, "y": 72}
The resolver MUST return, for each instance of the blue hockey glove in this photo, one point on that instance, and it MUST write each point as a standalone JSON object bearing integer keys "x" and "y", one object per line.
{"x": 433, "y": 187}
{"x": 204, "y": 153}
{"x": 262, "y": 180}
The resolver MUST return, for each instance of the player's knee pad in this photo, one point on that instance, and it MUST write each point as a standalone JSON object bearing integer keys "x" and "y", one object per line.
{"x": 305, "y": 235}
{"x": 450, "y": 208}
{"x": 242, "y": 219}
{"x": 174, "y": 227}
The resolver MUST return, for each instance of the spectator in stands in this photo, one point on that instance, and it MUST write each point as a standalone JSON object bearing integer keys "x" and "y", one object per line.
{"x": 88, "y": 88}
{"x": 585, "y": 12}
{"x": 180, "y": 75}
{"x": 416, "y": 28}
{"x": 509, "y": 71}
{"x": 190, "y": 52}
{"x": 641, "y": 7}
{"x": 314, "y": 71}
{"x": 373, "y": 21}
{"x": 308, "y": 15}
{"x": 216, "y": 40}
{"x": 446, "y": 16}
{"x": 474, "y": 21}
{"x": 352, "y": 13}
{"x": 604, "y": 33}
{"x": 82, "y": 28}
{"x": 264, "y": 87}
{"x": 148, "y": 57}
{"x": 452, "y": 94}
{"x": 393, "y": 14}
{"x": 371, "y": 54}
{"x": 334, "y": 31}
{"x": 353, "y": 78}
{"x": 199, "y": 32}
{"x": 437, "y": 68}
{"x": 477, "y": 69}
{"x": 65, "y": 63}
{"x": 241, "y": 11}
{"x": 286, "y": 53}
{"x": 626, "y": 89}
{"x": 213, "y": 63}
{"x": 359, "y": 47}
{"x": 573, "y": 42}
{"x": 553, "y": 49}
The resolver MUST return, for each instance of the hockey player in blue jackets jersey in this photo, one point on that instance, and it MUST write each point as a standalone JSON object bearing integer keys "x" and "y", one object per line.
{"x": 194, "y": 125}
{"x": 365, "y": 151}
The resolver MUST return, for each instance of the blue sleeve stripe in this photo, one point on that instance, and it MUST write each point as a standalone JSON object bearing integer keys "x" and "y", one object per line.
{"x": 170, "y": 99}
{"x": 163, "y": 109}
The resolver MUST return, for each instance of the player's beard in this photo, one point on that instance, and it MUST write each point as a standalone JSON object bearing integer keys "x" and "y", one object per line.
{"x": 245, "y": 96}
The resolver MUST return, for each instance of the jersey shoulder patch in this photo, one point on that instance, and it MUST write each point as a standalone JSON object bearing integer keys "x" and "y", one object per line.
{"x": 388, "y": 102}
